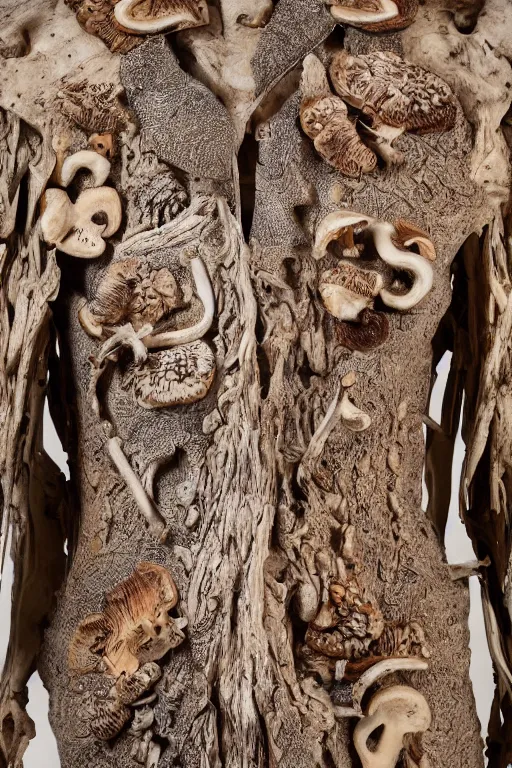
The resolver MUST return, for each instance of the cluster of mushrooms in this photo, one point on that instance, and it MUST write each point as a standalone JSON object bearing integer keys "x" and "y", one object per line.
{"x": 349, "y": 290}
{"x": 125, "y": 641}
{"x": 387, "y": 95}
{"x": 131, "y": 306}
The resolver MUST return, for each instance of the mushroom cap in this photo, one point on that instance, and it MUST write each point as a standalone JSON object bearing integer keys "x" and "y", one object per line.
{"x": 134, "y": 627}
{"x": 143, "y": 17}
{"x": 333, "y": 226}
{"x": 370, "y": 331}
{"x": 364, "y": 12}
{"x": 71, "y": 228}
{"x": 346, "y": 290}
{"x": 177, "y": 376}
{"x": 376, "y": 15}
{"x": 85, "y": 159}
{"x": 391, "y": 90}
{"x": 405, "y": 706}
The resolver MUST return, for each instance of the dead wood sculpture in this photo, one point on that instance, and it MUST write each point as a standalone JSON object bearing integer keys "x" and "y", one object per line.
{"x": 235, "y": 241}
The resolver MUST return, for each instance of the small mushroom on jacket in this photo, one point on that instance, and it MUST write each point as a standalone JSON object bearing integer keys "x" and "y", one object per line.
{"x": 324, "y": 118}
{"x": 401, "y": 710}
{"x": 394, "y": 95}
{"x": 374, "y": 15}
{"x": 347, "y": 289}
{"x": 71, "y": 226}
{"x": 142, "y": 17}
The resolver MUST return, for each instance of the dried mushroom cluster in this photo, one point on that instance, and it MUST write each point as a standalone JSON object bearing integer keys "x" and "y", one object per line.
{"x": 74, "y": 228}
{"x": 129, "y": 310}
{"x": 133, "y": 632}
{"x": 393, "y": 96}
{"x": 350, "y": 627}
{"x": 324, "y": 118}
{"x": 349, "y": 290}
{"x": 132, "y": 292}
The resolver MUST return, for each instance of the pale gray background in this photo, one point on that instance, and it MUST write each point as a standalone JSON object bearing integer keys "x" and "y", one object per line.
{"x": 42, "y": 752}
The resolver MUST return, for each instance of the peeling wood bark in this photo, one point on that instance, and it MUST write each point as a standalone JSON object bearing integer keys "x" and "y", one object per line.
{"x": 242, "y": 408}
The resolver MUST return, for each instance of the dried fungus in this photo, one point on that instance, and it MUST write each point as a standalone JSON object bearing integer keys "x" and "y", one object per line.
{"x": 134, "y": 627}
{"x": 375, "y": 15}
{"x": 97, "y": 18}
{"x": 369, "y": 332}
{"x": 384, "y": 236}
{"x": 71, "y": 226}
{"x": 401, "y": 710}
{"x": 346, "y": 625}
{"x": 132, "y": 291}
{"x": 178, "y": 376}
{"x": 348, "y": 289}
{"x": 394, "y": 95}
{"x": 324, "y": 118}
{"x": 152, "y": 16}
{"x": 111, "y": 714}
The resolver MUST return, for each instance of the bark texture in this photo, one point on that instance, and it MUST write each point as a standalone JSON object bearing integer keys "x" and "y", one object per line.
{"x": 283, "y": 224}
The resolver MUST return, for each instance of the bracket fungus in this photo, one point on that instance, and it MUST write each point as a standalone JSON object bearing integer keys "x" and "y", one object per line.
{"x": 71, "y": 226}
{"x": 395, "y": 95}
{"x": 384, "y": 236}
{"x": 177, "y": 376}
{"x": 144, "y": 17}
{"x": 398, "y": 710}
{"x": 374, "y": 15}
{"x": 134, "y": 627}
{"x": 324, "y": 118}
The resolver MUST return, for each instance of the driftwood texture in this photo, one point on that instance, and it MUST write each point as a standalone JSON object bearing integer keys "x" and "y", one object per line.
{"x": 236, "y": 240}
